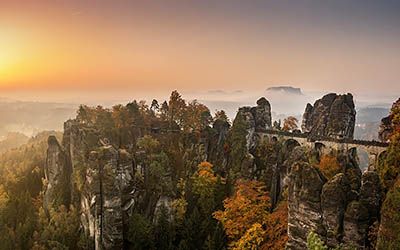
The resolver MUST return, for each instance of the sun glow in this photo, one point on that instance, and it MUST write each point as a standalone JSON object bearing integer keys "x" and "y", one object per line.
{"x": 11, "y": 51}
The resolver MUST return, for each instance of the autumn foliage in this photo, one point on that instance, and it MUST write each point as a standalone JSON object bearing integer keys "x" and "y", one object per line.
{"x": 289, "y": 123}
{"x": 249, "y": 205}
{"x": 276, "y": 229}
{"x": 329, "y": 166}
{"x": 248, "y": 222}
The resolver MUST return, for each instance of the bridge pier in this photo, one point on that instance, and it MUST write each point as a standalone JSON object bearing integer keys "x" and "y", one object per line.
{"x": 373, "y": 160}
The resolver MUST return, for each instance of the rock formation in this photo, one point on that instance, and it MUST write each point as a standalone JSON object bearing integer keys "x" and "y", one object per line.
{"x": 386, "y": 128}
{"x": 304, "y": 200}
{"x": 104, "y": 188}
{"x": 57, "y": 175}
{"x": 256, "y": 118}
{"x": 88, "y": 171}
{"x": 339, "y": 210}
{"x": 331, "y": 116}
{"x": 106, "y": 196}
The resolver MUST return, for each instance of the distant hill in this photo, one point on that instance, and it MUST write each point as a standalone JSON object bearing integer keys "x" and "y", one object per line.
{"x": 30, "y": 118}
{"x": 367, "y": 122}
{"x": 285, "y": 89}
{"x": 13, "y": 140}
{"x": 371, "y": 114}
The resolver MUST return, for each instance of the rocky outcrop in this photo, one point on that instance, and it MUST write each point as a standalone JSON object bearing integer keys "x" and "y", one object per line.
{"x": 57, "y": 176}
{"x": 304, "y": 200}
{"x": 355, "y": 225}
{"x": 249, "y": 121}
{"x": 340, "y": 210}
{"x": 255, "y": 119}
{"x": 331, "y": 116}
{"x": 333, "y": 206}
{"x": 361, "y": 214}
{"x": 386, "y": 128}
{"x": 262, "y": 114}
{"x": 103, "y": 183}
{"x": 108, "y": 196}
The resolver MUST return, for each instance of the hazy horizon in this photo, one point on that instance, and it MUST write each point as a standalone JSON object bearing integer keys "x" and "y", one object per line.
{"x": 61, "y": 50}
{"x": 225, "y": 54}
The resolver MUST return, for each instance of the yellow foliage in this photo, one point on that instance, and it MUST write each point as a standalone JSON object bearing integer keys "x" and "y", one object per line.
{"x": 252, "y": 239}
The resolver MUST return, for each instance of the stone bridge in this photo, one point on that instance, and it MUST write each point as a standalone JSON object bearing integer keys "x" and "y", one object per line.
{"x": 373, "y": 148}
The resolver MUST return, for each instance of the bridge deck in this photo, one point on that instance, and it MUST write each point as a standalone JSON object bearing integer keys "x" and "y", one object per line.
{"x": 330, "y": 139}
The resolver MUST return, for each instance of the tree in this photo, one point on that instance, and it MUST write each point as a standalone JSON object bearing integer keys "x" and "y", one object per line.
{"x": 389, "y": 172}
{"x": 249, "y": 205}
{"x": 85, "y": 115}
{"x": 329, "y": 166}
{"x": 315, "y": 243}
{"x": 236, "y": 146}
{"x": 140, "y": 233}
{"x": 205, "y": 185}
{"x": 156, "y": 166}
{"x": 163, "y": 234}
{"x": 123, "y": 122}
{"x": 252, "y": 239}
{"x": 197, "y": 117}
{"x": 61, "y": 229}
{"x": 276, "y": 228}
{"x": 290, "y": 123}
{"x": 389, "y": 230}
{"x": 176, "y": 108}
{"x": 221, "y": 115}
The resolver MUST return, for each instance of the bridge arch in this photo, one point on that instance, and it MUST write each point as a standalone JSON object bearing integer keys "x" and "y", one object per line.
{"x": 319, "y": 146}
{"x": 364, "y": 159}
{"x": 290, "y": 144}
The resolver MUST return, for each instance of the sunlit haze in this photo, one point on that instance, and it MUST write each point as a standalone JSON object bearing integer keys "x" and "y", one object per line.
{"x": 58, "y": 50}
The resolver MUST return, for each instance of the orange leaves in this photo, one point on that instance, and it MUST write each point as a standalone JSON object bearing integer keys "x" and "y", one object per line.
{"x": 249, "y": 205}
{"x": 276, "y": 229}
{"x": 205, "y": 171}
{"x": 290, "y": 123}
{"x": 329, "y": 166}
{"x": 247, "y": 221}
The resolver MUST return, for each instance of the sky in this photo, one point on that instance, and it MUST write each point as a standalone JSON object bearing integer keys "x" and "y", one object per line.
{"x": 76, "y": 50}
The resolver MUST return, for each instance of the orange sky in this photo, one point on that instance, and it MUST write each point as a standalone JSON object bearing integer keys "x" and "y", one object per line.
{"x": 85, "y": 45}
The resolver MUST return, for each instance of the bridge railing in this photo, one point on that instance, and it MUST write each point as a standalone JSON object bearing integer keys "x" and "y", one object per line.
{"x": 322, "y": 138}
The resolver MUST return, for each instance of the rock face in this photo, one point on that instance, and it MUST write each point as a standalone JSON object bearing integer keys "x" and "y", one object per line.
{"x": 262, "y": 114}
{"x": 339, "y": 210}
{"x": 57, "y": 175}
{"x": 256, "y": 118}
{"x": 331, "y": 116}
{"x": 105, "y": 190}
{"x": 333, "y": 205}
{"x": 386, "y": 128}
{"x": 304, "y": 201}
{"x": 106, "y": 197}
{"x": 250, "y": 121}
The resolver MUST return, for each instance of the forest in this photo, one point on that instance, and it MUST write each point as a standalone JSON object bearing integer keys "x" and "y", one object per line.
{"x": 198, "y": 184}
